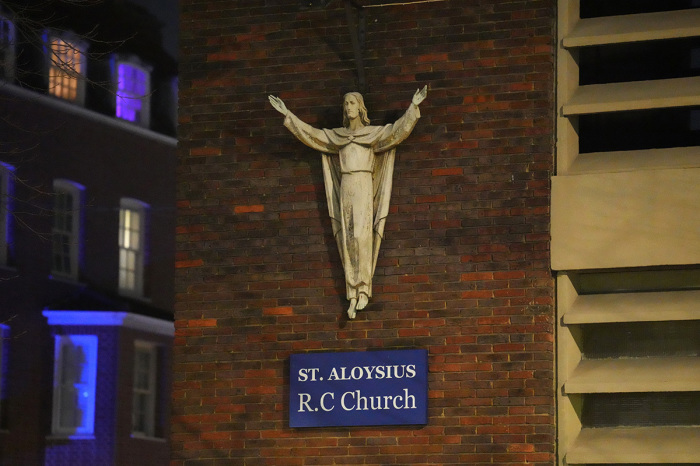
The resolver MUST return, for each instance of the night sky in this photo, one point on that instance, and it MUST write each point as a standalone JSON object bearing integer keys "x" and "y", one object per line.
{"x": 167, "y": 12}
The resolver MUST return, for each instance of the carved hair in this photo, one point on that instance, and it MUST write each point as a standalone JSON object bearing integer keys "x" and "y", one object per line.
{"x": 362, "y": 110}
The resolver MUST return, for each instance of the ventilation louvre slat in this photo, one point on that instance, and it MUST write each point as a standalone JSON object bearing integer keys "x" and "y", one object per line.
{"x": 634, "y": 307}
{"x": 637, "y": 95}
{"x": 636, "y": 445}
{"x": 634, "y": 28}
{"x": 635, "y": 375}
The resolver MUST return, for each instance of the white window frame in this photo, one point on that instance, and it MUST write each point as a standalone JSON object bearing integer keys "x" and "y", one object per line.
{"x": 126, "y": 95}
{"x": 6, "y": 193}
{"x": 85, "y": 387}
{"x": 72, "y": 233}
{"x": 132, "y": 246}
{"x": 147, "y": 392}
{"x": 66, "y": 80}
{"x": 8, "y": 37}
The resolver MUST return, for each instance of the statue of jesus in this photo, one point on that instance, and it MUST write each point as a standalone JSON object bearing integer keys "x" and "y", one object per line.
{"x": 358, "y": 166}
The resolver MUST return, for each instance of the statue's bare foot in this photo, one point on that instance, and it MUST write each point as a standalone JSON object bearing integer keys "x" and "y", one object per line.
{"x": 362, "y": 302}
{"x": 351, "y": 310}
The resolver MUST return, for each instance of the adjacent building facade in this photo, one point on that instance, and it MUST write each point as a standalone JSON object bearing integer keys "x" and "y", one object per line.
{"x": 87, "y": 161}
{"x": 625, "y": 232}
{"x": 541, "y": 244}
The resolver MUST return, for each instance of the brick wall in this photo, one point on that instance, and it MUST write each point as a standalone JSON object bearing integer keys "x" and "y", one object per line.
{"x": 464, "y": 267}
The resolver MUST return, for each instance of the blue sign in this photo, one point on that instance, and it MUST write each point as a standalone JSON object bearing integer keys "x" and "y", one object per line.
{"x": 358, "y": 389}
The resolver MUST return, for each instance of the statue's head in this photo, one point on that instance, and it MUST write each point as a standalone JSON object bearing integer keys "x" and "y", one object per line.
{"x": 362, "y": 110}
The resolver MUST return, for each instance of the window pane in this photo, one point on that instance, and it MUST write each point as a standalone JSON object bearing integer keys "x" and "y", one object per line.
{"x": 134, "y": 240}
{"x": 64, "y": 69}
{"x": 140, "y": 405}
{"x": 143, "y": 366}
{"x": 65, "y": 237}
{"x": 7, "y": 39}
{"x": 144, "y": 394}
{"x": 74, "y": 384}
{"x": 122, "y": 279}
{"x": 135, "y": 221}
{"x": 131, "y": 92}
{"x": 4, "y": 366}
{"x": 5, "y": 213}
{"x": 122, "y": 222}
{"x": 69, "y": 417}
{"x": 131, "y": 253}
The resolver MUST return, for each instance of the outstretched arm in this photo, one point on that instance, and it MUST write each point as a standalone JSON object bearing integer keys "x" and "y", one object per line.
{"x": 312, "y": 137}
{"x": 396, "y": 133}
{"x": 278, "y": 105}
{"x": 420, "y": 96}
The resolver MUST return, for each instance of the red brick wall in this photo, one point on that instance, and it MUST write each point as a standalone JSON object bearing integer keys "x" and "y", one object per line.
{"x": 464, "y": 266}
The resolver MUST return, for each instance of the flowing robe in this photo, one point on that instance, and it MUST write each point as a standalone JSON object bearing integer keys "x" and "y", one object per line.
{"x": 358, "y": 168}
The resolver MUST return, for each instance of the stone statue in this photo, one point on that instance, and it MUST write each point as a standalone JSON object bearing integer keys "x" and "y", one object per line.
{"x": 358, "y": 166}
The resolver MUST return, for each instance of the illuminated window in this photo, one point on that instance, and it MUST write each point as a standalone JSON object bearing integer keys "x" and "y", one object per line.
{"x": 75, "y": 378}
{"x": 7, "y": 48}
{"x": 66, "y": 69}
{"x": 131, "y": 246}
{"x": 66, "y": 228}
{"x": 133, "y": 87}
{"x": 6, "y": 189}
{"x": 143, "y": 411}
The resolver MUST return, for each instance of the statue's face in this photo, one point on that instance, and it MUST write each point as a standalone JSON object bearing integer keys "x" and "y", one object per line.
{"x": 352, "y": 107}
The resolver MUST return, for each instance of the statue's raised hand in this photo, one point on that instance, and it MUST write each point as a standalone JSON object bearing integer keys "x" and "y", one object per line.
{"x": 420, "y": 95}
{"x": 278, "y": 105}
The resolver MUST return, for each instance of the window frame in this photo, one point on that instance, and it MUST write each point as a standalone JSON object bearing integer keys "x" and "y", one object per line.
{"x": 53, "y": 60}
{"x": 74, "y": 235}
{"x": 150, "y": 393}
{"x": 6, "y": 195}
{"x": 125, "y": 95}
{"x": 8, "y": 47}
{"x": 4, "y": 375}
{"x": 139, "y": 253}
{"x": 89, "y": 343}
